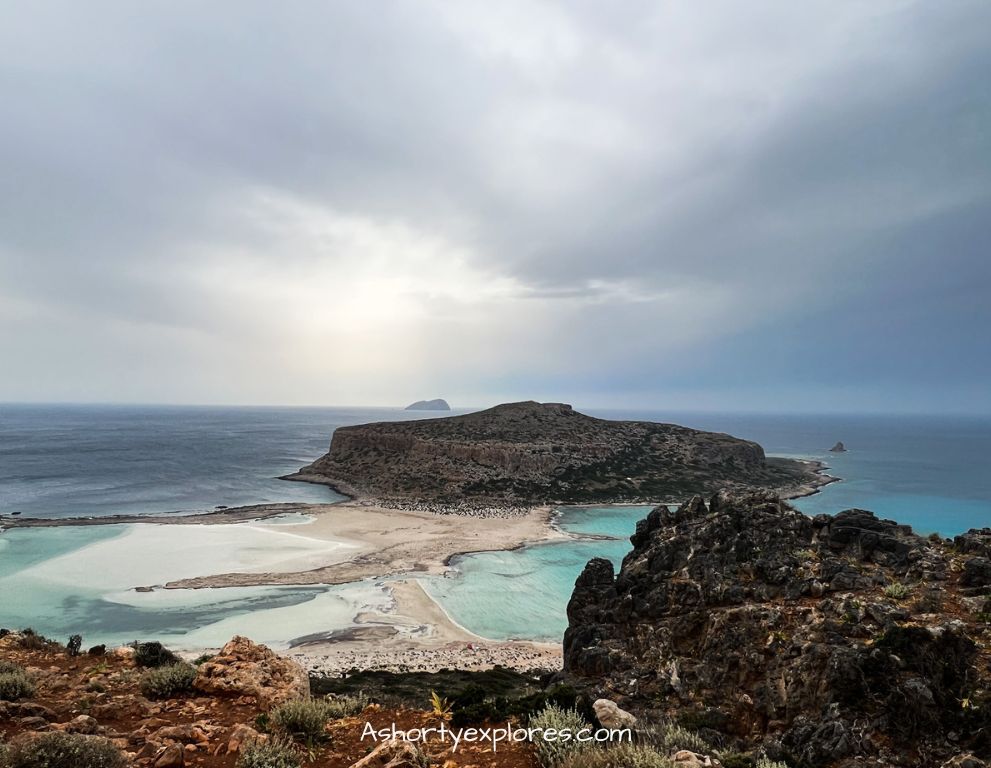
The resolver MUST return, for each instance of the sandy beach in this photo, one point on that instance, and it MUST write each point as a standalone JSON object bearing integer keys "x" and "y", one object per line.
{"x": 416, "y": 635}
{"x": 387, "y": 542}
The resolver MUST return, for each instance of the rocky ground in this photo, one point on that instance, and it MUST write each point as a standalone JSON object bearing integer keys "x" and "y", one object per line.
{"x": 830, "y": 641}
{"x": 518, "y": 455}
{"x": 208, "y": 725}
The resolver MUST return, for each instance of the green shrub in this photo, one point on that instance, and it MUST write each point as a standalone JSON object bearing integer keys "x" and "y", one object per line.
{"x": 166, "y": 682}
{"x": 553, "y": 754}
{"x": 764, "y": 762}
{"x": 345, "y": 706}
{"x": 736, "y": 760}
{"x": 15, "y": 685}
{"x": 63, "y": 750}
{"x": 617, "y": 756}
{"x": 474, "y": 705}
{"x": 303, "y": 720}
{"x": 669, "y": 737}
{"x": 897, "y": 591}
{"x": 32, "y": 641}
{"x": 153, "y": 654}
{"x": 6, "y": 667}
{"x": 275, "y": 753}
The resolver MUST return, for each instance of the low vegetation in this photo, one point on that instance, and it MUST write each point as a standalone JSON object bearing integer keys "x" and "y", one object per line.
{"x": 764, "y": 762}
{"x": 668, "y": 737}
{"x": 475, "y": 704}
{"x": 275, "y": 753}
{"x": 168, "y": 681}
{"x": 153, "y": 654}
{"x": 32, "y": 641}
{"x": 345, "y": 706}
{"x": 554, "y": 754}
{"x": 617, "y": 756}
{"x": 62, "y": 750}
{"x": 303, "y": 720}
{"x": 897, "y": 591}
{"x": 14, "y": 682}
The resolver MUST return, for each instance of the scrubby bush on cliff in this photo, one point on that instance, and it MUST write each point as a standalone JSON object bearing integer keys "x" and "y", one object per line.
{"x": 345, "y": 706}
{"x": 304, "y": 720}
{"x": 897, "y": 591}
{"x": 765, "y": 762}
{"x": 670, "y": 737}
{"x": 274, "y": 753}
{"x": 14, "y": 682}
{"x": 153, "y": 654}
{"x": 166, "y": 682}
{"x": 552, "y": 754}
{"x": 473, "y": 705}
{"x": 63, "y": 750}
{"x": 618, "y": 756}
{"x": 32, "y": 641}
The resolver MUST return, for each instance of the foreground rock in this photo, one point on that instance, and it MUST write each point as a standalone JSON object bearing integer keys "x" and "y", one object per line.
{"x": 531, "y": 453}
{"x": 244, "y": 668}
{"x": 826, "y": 641}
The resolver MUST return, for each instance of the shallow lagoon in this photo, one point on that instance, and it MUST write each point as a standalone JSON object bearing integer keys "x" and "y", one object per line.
{"x": 70, "y": 580}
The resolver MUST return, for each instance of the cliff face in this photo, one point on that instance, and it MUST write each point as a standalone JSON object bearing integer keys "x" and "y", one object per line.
{"x": 827, "y": 640}
{"x": 532, "y": 453}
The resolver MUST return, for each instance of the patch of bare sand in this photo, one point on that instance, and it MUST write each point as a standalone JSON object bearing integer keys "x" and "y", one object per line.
{"x": 390, "y": 542}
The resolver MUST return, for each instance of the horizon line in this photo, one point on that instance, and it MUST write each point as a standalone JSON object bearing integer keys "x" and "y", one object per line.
{"x": 610, "y": 408}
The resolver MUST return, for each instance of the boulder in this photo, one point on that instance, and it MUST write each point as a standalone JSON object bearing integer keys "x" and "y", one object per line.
{"x": 172, "y": 756}
{"x": 685, "y": 758}
{"x": 244, "y": 668}
{"x": 609, "y": 714}
{"x": 393, "y": 753}
{"x": 242, "y": 735}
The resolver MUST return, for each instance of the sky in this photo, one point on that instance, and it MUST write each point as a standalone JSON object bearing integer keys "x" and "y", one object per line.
{"x": 768, "y": 206}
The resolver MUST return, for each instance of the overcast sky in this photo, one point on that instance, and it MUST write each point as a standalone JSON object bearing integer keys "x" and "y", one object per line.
{"x": 757, "y": 206}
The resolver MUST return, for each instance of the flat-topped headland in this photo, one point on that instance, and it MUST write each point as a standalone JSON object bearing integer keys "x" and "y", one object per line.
{"x": 526, "y": 454}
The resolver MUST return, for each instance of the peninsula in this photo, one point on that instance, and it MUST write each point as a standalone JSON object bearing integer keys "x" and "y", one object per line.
{"x": 528, "y": 454}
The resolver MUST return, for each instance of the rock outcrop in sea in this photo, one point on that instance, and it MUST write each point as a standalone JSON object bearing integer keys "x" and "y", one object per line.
{"x": 534, "y": 453}
{"x": 841, "y": 640}
{"x": 838, "y": 448}
{"x": 438, "y": 404}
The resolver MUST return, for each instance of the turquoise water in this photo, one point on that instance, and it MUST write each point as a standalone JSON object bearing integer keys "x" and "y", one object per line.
{"x": 58, "y": 461}
{"x": 932, "y": 473}
{"x": 523, "y": 593}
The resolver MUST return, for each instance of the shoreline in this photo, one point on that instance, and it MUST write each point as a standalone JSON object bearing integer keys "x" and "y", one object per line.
{"x": 392, "y": 546}
{"x": 416, "y": 635}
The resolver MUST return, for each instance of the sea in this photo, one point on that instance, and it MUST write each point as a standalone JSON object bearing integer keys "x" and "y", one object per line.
{"x": 931, "y": 472}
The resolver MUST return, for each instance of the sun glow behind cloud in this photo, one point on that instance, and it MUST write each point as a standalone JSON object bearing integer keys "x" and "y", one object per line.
{"x": 321, "y": 204}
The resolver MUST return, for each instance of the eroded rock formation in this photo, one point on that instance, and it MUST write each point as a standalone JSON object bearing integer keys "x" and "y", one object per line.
{"x": 829, "y": 641}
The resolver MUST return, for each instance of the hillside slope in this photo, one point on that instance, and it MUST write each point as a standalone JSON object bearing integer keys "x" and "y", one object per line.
{"x": 531, "y": 453}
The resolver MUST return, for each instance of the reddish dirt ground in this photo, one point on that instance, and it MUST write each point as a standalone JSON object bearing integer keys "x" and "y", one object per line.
{"x": 107, "y": 689}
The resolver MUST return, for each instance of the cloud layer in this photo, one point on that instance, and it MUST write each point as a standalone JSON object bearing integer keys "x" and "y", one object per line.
{"x": 770, "y": 205}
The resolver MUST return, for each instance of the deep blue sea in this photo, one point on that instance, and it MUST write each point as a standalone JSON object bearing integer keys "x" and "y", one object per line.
{"x": 59, "y": 461}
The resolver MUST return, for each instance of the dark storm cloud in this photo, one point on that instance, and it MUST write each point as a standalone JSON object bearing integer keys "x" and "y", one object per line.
{"x": 192, "y": 191}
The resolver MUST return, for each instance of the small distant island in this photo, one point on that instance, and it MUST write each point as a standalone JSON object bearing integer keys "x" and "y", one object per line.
{"x": 438, "y": 404}
{"x": 838, "y": 448}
